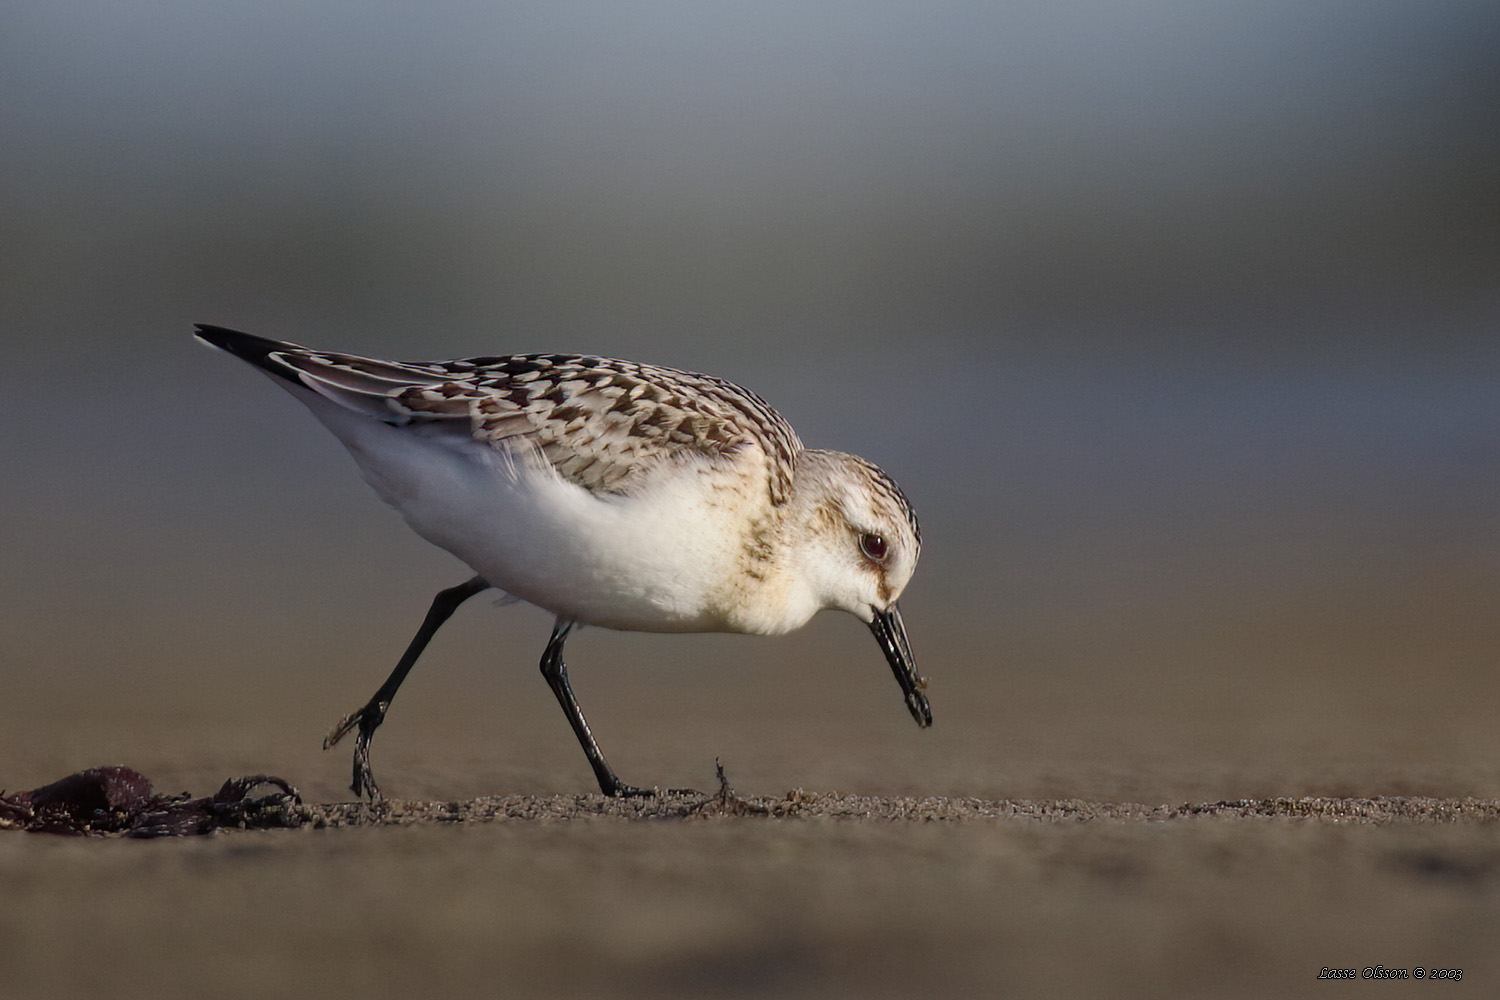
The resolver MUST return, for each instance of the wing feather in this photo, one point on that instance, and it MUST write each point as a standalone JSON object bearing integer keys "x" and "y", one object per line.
{"x": 603, "y": 424}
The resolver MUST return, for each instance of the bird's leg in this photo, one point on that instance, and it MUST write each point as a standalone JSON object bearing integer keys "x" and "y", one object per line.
{"x": 556, "y": 673}
{"x": 373, "y": 713}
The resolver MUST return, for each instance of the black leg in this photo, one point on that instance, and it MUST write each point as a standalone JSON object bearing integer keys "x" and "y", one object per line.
{"x": 556, "y": 673}
{"x": 373, "y": 714}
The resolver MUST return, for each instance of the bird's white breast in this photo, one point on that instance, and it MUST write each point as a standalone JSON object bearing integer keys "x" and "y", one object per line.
{"x": 661, "y": 559}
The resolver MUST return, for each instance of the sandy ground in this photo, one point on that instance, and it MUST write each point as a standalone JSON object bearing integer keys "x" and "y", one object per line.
{"x": 798, "y": 895}
{"x": 1124, "y": 833}
{"x": 1216, "y": 797}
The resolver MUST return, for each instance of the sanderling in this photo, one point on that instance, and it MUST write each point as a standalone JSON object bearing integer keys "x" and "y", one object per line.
{"x": 608, "y": 493}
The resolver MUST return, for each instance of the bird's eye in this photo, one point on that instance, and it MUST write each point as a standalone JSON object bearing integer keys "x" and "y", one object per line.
{"x": 873, "y": 546}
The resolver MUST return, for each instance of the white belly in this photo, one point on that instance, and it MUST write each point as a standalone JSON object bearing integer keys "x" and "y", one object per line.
{"x": 654, "y": 561}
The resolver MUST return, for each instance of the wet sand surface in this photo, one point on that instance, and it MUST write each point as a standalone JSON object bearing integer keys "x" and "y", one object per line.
{"x": 1157, "y": 830}
{"x": 818, "y": 896}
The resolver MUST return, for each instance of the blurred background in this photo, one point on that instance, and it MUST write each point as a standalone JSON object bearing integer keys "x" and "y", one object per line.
{"x": 1178, "y": 324}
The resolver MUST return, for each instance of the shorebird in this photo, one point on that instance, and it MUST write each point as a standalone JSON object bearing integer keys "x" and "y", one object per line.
{"x": 608, "y": 493}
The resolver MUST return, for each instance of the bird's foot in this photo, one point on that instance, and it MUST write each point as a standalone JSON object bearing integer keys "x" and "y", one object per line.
{"x": 366, "y": 720}
{"x": 619, "y": 790}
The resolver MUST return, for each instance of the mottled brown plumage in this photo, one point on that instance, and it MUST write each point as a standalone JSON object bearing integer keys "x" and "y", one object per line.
{"x": 601, "y": 423}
